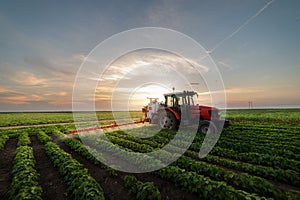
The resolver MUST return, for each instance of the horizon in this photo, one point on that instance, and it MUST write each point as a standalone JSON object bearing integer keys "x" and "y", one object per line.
{"x": 70, "y": 111}
{"x": 255, "y": 46}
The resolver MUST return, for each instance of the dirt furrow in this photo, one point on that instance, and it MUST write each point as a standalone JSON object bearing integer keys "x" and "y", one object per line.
{"x": 52, "y": 183}
{"x": 6, "y": 163}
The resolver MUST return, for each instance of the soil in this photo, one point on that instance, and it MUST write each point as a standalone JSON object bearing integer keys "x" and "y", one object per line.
{"x": 113, "y": 187}
{"x": 7, "y": 157}
{"x": 52, "y": 183}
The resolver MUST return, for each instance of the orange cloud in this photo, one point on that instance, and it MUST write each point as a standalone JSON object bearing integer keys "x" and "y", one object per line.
{"x": 4, "y": 89}
{"x": 20, "y": 99}
{"x": 27, "y": 78}
{"x": 56, "y": 94}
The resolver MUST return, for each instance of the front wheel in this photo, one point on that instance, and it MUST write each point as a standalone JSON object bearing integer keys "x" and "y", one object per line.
{"x": 167, "y": 120}
{"x": 206, "y": 127}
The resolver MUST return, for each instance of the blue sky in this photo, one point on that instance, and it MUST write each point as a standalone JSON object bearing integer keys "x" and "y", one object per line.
{"x": 255, "y": 45}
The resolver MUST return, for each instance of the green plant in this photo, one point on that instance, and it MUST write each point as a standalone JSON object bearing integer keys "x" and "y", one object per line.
{"x": 113, "y": 172}
{"x": 3, "y": 139}
{"x": 25, "y": 182}
{"x": 24, "y": 140}
{"x": 43, "y": 137}
{"x": 142, "y": 191}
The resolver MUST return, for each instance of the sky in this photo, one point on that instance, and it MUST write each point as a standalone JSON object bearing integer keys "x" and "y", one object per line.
{"x": 254, "y": 44}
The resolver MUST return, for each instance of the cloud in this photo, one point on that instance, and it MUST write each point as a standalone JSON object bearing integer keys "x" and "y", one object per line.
{"x": 12, "y": 97}
{"x": 28, "y": 79}
{"x": 18, "y": 99}
{"x": 56, "y": 94}
{"x": 29, "y": 88}
{"x": 56, "y": 66}
{"x": 3, "y": 89}
{"x": 142, "y": 59}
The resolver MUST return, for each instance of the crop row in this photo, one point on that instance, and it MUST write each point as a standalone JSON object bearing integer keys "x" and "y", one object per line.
{"x": 25, "y": 182}
{"x": 3, "y": 139}
{"x": 43, "y": 137}
{"x": 142, "y": 190}
{"x": 24, "y": 140}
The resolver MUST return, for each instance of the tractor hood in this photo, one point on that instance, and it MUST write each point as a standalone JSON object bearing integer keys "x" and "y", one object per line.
{"x": 207, "y": 107}
{"x": 205, "y": 112}
{"x": 202, "y": 107}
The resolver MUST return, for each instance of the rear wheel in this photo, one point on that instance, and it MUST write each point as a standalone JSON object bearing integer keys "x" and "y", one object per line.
{"x": 167, "y": 120}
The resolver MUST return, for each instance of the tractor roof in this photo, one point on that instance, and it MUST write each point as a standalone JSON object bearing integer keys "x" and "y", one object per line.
{"x": 184, "y": 93}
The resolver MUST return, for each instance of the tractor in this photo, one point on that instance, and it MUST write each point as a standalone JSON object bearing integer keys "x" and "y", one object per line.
{"x": 179, "y": 109}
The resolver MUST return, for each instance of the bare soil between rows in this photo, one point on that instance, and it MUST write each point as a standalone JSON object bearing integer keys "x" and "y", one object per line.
{"x": 6, "y": 163}
{"x": 52, "y": 183}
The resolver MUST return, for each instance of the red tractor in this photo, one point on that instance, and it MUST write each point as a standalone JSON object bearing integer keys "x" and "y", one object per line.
{"x": 179, "y": 109}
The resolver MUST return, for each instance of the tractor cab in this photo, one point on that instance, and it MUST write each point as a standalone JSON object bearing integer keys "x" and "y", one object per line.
{"x": 182, "y": 103}
{"x": 176, "y": 100}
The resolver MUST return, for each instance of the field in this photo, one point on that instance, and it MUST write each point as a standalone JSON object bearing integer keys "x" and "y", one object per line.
{"x": 32, "y": 118}
{"x": 257, "y": 157}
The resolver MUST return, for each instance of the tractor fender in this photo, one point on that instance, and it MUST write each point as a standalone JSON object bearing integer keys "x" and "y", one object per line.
{"x": 177, "y": 116}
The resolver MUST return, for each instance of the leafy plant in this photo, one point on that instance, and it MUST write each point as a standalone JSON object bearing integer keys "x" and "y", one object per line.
{"x": 3, "y": 139}
{"x": 24, "y": 140}
{"x": 142, "y": 190}
{"x": 25, "y": 182}
{"x": 43, "y": 137}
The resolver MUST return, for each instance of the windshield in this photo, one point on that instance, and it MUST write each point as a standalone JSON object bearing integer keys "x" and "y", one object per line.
{"x": 185, "y": 100}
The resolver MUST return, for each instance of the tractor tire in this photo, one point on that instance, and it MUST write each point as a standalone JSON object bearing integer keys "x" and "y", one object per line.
{"x": 167, "y": 120}
{"x": 207, "y": 127}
